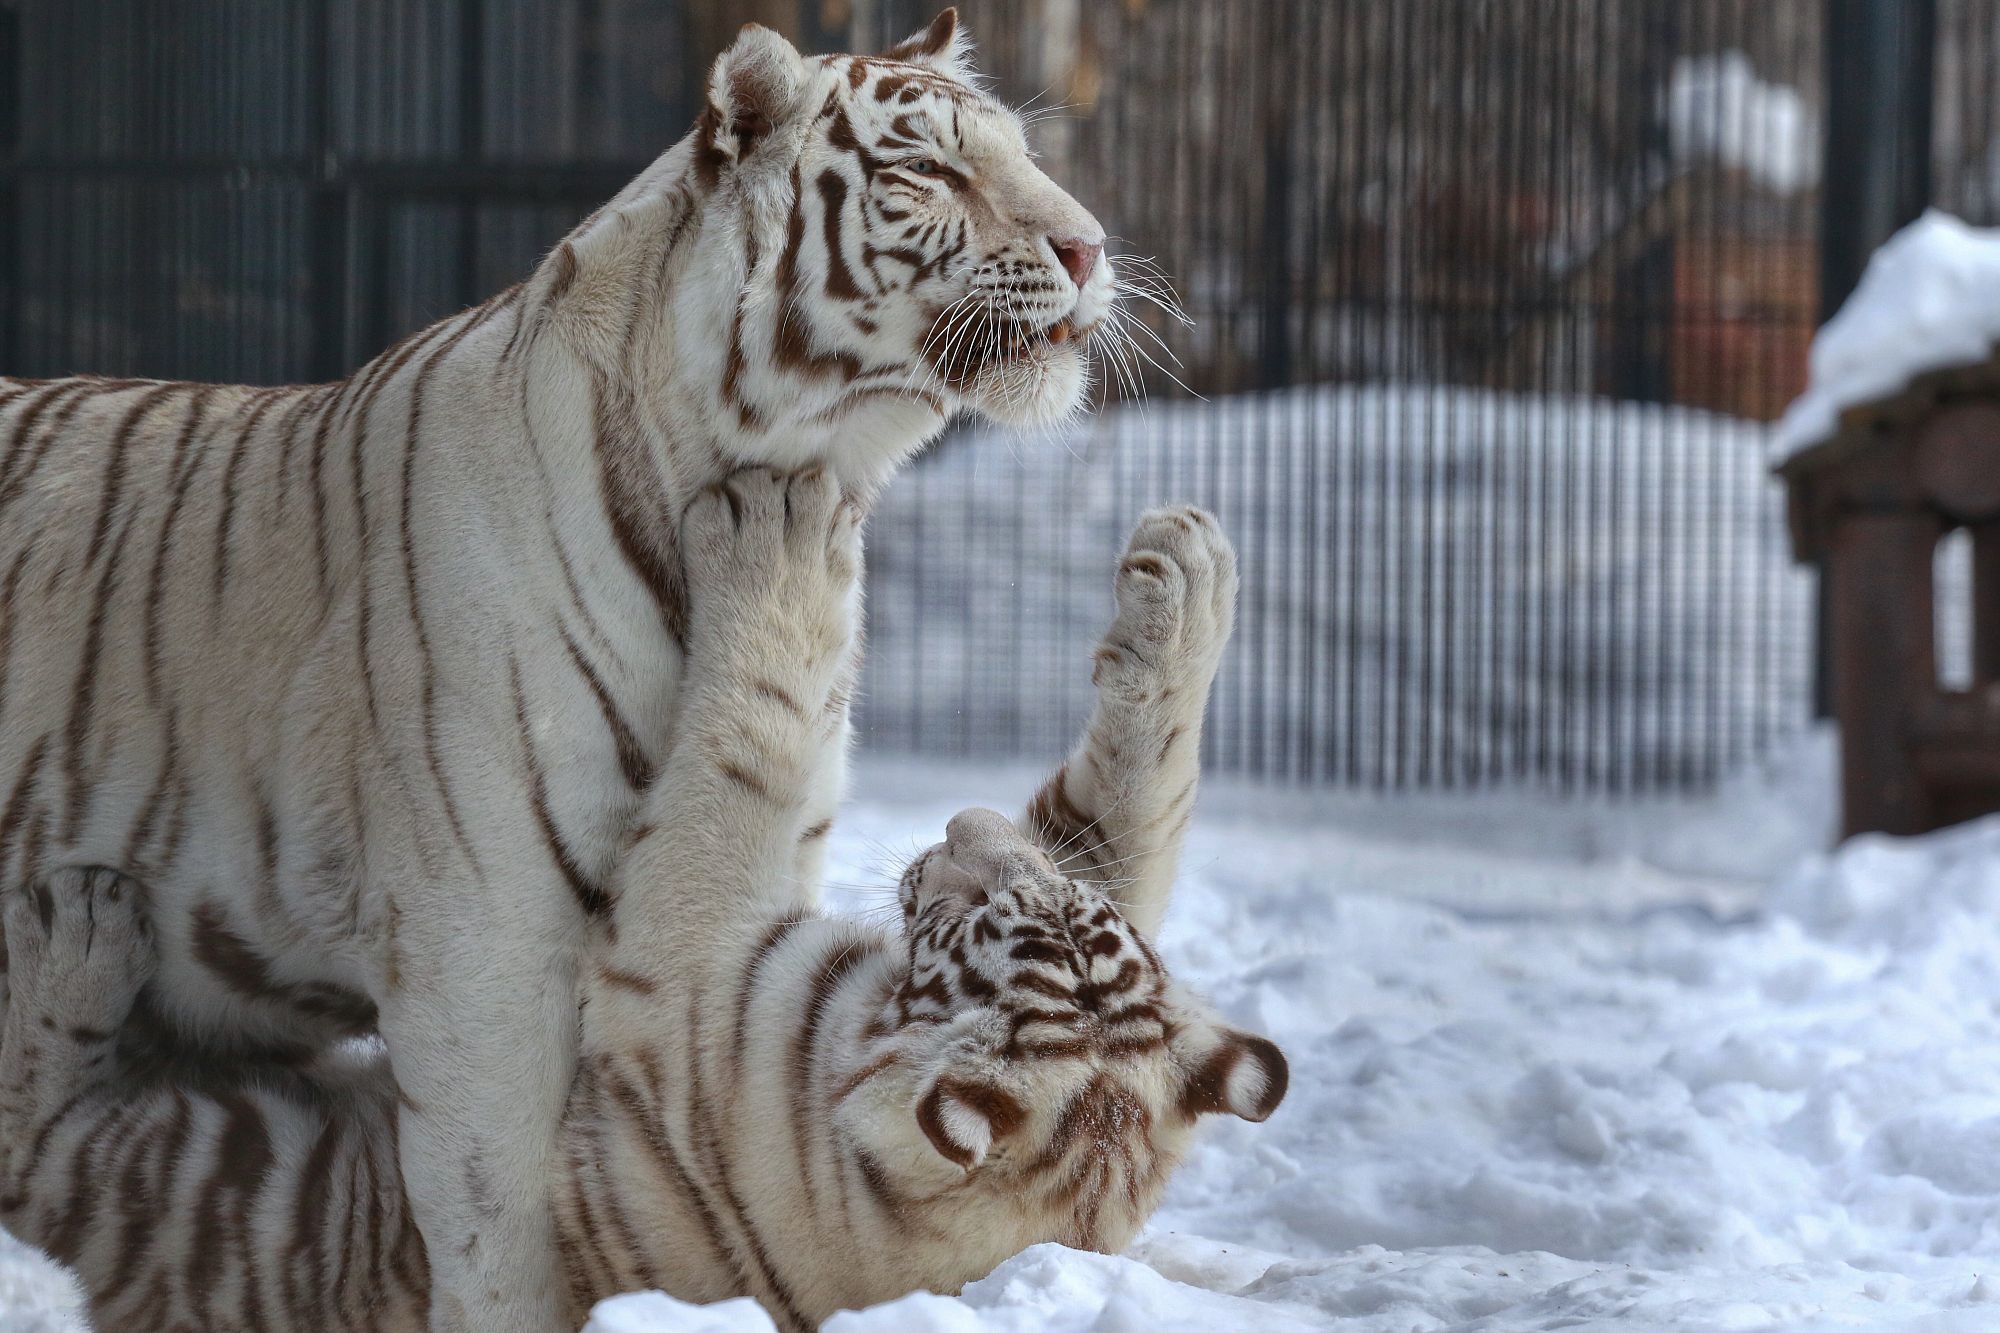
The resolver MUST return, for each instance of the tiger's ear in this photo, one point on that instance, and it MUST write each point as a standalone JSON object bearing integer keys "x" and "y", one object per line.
{"x": 753, "y": 88}
{"x": 1242, "y": 1075}
{"x": 945, "y": 47}
{"x": 963, "y": 1120}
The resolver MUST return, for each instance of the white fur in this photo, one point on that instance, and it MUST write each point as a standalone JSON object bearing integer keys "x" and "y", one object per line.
{"x": 363, "y": 705}
{"x": 750, "y": 1112}
{"x": 802, "y": 1230}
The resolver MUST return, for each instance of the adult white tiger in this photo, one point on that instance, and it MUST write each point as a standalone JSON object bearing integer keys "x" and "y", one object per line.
{"x": 820, "y": 1113}
{"x": 367, "y": 680}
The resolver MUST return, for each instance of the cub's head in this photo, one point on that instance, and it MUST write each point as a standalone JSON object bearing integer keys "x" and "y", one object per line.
{"x": 919, "y": 251}
{"x": 1063, "y": 1071}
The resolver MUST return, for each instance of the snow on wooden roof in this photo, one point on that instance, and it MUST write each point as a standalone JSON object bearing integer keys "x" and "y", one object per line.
{"x": 1922, "y": 327}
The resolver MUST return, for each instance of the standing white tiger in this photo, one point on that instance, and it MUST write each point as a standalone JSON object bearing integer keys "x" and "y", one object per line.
{"x": 822, "y": 1114}
{"x": 368, "y": 681}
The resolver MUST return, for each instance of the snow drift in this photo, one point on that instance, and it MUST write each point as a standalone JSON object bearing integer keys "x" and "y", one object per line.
{"x": 1551, "y": 1068}
{"x": 1535, "y": 1089}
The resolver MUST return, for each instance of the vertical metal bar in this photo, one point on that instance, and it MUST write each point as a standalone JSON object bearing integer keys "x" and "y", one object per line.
{"x": 471, "y": 139}
{"x": 326, "y": 223}
{"x": 1880, "y": 69}
{"x": 10, "y": 201}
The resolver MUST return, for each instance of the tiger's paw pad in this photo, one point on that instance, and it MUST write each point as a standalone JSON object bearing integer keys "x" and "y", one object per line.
{"x": 758, "y": 525}
{"x": 78, "y": 947}
{"x": 1176, "y": 590}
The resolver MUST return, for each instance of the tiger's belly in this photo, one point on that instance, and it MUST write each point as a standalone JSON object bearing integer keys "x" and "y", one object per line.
{"x": 293, "y": 865}
{"x": 258, "y": 953}
{"x": 257, "y": 957}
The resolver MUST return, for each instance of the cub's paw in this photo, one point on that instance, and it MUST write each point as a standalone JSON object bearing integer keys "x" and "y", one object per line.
{"x": 1176, "y": 590}
{"x": 78, "y": 947}
{"x": 762, "y": 530}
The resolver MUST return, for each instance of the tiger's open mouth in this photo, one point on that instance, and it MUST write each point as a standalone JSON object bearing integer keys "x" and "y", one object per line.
{"x": 1000, "y": 344}
{"x": 1021, "y": 340}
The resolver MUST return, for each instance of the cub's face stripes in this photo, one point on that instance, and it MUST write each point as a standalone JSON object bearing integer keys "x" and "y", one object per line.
{"x": 1076, "y": 1067}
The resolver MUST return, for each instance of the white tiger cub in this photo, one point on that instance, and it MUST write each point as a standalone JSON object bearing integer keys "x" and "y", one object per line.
{"x": 816, "y": 1112}
{"x": 370, "y": 682}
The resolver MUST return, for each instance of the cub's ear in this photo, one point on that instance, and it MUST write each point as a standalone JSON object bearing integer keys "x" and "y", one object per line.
{"x": 1244, "y": 1075}
{"x": 945, "y": 47}
{"x": 963, "y": 1119}
{"x": 753, "y": 87}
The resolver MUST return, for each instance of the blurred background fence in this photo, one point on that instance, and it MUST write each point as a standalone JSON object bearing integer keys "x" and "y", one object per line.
{"x": 1494, "y": 302}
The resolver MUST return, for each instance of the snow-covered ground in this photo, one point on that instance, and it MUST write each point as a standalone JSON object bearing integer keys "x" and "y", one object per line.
{"x": 1553, "y": 1066}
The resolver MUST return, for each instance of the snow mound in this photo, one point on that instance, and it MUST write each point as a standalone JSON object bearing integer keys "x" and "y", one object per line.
{"x": 651, "y": 1311}
{"x": 1929, "y": 299}
{"x": 1718, "y": 110}
{"x": 1543, "y": 1083}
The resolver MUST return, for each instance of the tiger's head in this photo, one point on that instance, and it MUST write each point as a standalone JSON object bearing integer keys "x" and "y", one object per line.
{"x": 906, "y": 257}
{"x": 1063, "y": 1071}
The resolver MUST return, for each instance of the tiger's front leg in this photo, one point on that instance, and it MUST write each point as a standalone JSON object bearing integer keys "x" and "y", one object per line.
{"x": 482, "y": 1039}
{"x": 742, "y": 801}
{"x": 1119, "y": 809}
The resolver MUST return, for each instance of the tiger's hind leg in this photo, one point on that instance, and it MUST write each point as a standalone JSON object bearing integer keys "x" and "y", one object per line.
{"x": 175, "y": 1206}
{"x": 79, "y": 952}
{"x": 1118, "y": 811}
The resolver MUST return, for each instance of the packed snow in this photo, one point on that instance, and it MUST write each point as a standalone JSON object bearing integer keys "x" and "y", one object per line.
{"x": 1719, "y": 111}
{"x": 1553, "y": 1066}
{"x": 1928, "y": 300}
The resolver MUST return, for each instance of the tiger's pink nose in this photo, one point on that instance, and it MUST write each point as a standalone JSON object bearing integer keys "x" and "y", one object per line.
{"x": 1077, "y": 256}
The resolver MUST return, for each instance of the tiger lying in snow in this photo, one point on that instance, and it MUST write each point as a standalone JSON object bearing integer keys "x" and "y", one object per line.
{"x": 812, "y": 1111}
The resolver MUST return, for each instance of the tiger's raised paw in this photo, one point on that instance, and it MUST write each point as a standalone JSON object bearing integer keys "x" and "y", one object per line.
{"x": 757, "y": 525}
{"x": 774, "y": 558}
{"x": 79, "y": 949}
{"x": 1176, "y": 590}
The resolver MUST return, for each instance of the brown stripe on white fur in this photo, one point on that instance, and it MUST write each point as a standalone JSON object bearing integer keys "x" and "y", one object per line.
{"x": 589, "y": 896}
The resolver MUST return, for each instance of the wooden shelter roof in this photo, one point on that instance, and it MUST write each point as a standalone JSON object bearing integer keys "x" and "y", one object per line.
{"x": 1882, "y": 423}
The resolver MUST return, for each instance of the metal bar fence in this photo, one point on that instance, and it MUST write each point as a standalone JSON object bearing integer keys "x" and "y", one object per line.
{"x": 1493, "y": 305}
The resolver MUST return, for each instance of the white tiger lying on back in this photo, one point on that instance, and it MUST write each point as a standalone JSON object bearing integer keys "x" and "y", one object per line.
{"x": 815, "y": 1112}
